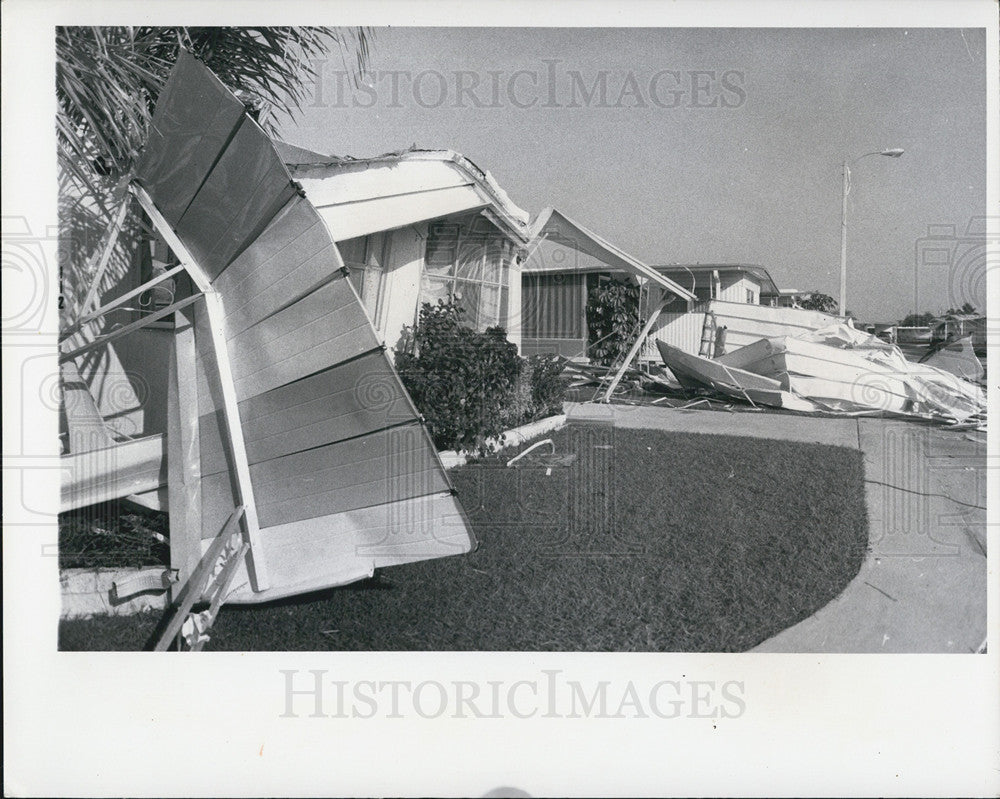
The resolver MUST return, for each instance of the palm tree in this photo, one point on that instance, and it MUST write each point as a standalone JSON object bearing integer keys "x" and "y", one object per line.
{"x": 108, "y": 79}
{"x": 107, "y": 83}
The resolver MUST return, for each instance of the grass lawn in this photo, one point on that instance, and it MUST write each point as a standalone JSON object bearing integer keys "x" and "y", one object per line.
{"x": 649, "y": 541}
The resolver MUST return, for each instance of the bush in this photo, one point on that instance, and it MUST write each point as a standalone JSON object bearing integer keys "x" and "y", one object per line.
{"x": 613, "y": 320}
{"x": 548, "y": 385}
{"x": 521, "y": 409}
{"x": 462, "y": 381}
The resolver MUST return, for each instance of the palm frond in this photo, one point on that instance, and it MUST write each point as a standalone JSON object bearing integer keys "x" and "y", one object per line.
{"x": 108, "y": 79}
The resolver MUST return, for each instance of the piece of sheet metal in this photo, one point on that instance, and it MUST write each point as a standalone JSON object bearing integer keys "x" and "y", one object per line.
{"x": 329, "y": 432}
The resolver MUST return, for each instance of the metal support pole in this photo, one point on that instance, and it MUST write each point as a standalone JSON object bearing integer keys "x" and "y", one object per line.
{"x": 843, "y": 243}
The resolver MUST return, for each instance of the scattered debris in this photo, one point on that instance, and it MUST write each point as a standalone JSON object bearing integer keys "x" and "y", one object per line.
{"x": 837, "y": 370}
{"x": 548, "y": 460}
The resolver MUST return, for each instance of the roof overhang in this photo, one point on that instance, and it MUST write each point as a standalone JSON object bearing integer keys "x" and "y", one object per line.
{"x": 554, "y": 224}
{"x": 357, "y": 197}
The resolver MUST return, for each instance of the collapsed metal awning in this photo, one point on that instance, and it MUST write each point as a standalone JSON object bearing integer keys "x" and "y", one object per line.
{"x": 554, "y": 225}
{"x": 283, "y": 401}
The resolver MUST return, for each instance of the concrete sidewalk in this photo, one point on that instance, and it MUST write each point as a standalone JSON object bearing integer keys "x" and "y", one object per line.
{"x": 922, "y": 587}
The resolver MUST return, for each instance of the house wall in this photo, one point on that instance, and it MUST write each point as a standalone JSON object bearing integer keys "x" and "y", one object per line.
{"x": 514, "y": 322}
{"x": 735, "y": 287}
{"x": 401, "y": 286}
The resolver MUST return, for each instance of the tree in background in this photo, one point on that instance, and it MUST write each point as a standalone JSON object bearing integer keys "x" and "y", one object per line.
{"x": 819, "y": 302}
{"x": 108, "y": 79}
{"x": 917, "y": 319}
{"x": 926, "y": 318}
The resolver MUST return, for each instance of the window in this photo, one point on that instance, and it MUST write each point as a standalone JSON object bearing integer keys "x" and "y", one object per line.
{"x": 469, "y": 261}
{"x": 365, "y": 258}
{"x": 751, "y": 297}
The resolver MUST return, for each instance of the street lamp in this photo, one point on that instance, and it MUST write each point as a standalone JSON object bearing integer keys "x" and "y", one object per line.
{"x": 893, "y": 152}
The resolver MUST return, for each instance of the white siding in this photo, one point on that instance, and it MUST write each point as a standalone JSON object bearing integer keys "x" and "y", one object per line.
{"x": 402, "y": 282}
{"x": 513, "y": 320}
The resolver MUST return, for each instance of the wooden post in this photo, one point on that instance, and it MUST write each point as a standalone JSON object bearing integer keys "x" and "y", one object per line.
{"x": 199, "y": 581}
{"x": 257, "y": 566}
{"x": 183, "y": 452}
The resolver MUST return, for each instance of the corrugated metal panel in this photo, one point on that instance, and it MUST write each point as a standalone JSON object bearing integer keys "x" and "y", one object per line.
{"x": 345, "y": 401}
{"x": 681, "y": 330}
{"x": 383, "y": 467}
{"x": 195, "y": 117}
{"x": 320, "y": 330}
{"x": 334, "y": 550}
{"x": 247, "y": 186}
{"x": 299, "y": 342}
{"x": 745, "y": 323}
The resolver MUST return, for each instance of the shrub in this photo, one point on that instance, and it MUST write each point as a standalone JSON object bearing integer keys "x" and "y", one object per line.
{"x": 521, "y": 409}
{"x": 462, "y": 381}
{"x": 548, "y": 385}
{"x": 613, "y": 320}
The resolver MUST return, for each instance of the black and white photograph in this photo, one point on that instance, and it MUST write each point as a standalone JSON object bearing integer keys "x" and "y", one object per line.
{"x": 415, "y": 400}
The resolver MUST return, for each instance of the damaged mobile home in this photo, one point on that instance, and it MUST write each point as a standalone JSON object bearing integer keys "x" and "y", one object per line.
{"x": 837, "y": 370}
{"x": 737, "y": 337}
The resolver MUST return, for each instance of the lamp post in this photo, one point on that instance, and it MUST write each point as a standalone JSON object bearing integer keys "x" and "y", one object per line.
{"x": 893, "y": 152}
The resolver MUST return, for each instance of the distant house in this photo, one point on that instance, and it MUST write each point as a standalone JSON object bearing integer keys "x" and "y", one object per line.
{"x": 953, "y": 326}
{"x": 566, "y": 264}
{"x": 419, "y": 226}
{"x": 742, "y": 298}
{"x": 746, "y": 283}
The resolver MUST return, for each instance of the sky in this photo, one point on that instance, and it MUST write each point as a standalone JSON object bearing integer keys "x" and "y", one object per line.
{"x": 705, "y": 145}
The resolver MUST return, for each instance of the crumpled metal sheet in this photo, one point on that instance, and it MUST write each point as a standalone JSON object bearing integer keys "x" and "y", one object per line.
{"x": 842, "y": 370}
